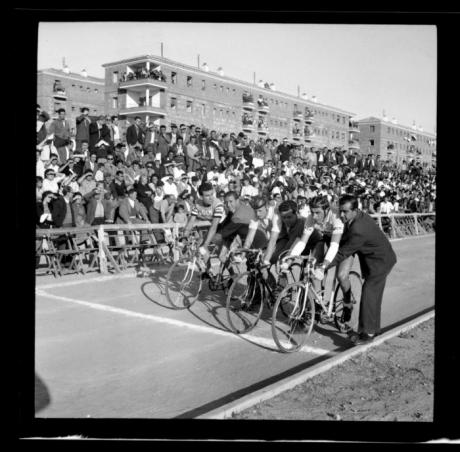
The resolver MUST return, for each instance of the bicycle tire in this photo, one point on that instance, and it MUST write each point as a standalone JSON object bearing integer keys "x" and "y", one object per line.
{"x": 244, "y": 310}
{"x": 356, "y": 288}
{"x": 183, "y": 283}
{"x": 287, "y": 318}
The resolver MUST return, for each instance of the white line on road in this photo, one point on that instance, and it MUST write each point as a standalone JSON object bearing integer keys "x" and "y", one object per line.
{"x": 204, "y": 329}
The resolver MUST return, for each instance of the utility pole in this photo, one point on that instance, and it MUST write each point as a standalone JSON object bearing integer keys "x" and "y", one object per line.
{"x": 161, "y": 50}
{"x": 198, "y": 61}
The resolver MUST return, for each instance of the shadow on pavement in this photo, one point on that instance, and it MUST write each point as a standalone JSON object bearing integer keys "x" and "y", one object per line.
{"x": 159, "y": 287}
{"x": 42, "y": 395}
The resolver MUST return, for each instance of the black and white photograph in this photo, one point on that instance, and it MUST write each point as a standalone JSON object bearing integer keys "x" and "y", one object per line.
{"x": 235, "y": 221}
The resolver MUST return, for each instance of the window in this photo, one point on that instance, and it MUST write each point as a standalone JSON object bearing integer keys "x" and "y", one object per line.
{"x": 189, "y": 106}
{"x": 343, "y": 136}
{"x": 214, "y": 86}
{"x": 96, "y": 90}
{"x": 173, "y": 78}
{"x": 173, "y": 103}
{"x": 203, "y": 109}
{"x": 221, "y": 89}
{"x": 221, "y": 113}
{"x": 372, "y": 129}
{"x": 95, "y": 111}
{"x": 338, "y": 118}
{"x": 371, "y": 142}
{"x": 333, "y": 117}
{"x": 234, "y": 91}
{"x": 114, "y": 102}
{"x": 115, "y": 77}
{"x": 73, "y": 108}
{"x": 228, "y": 91}
{"x": 337, "y": 135}
{"x": 203, "y": 84}
{"x": 189, "y": 81}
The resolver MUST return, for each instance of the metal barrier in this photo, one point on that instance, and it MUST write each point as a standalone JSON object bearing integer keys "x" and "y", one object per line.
{"x": 115, "y": 247}
{"x": 399, "y": 225}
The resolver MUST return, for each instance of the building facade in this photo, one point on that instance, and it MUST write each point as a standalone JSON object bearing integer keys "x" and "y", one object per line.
{"x": 396, "y": 142}
{"x": 165, "y": 92}
{"x": 60, "y": 89}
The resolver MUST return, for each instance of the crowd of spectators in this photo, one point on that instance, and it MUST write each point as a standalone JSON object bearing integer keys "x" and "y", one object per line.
{"x": 153, "y": 174}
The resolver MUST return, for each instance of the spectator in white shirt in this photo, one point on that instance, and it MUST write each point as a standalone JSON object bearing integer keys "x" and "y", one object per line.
{"x": 169, "y": 187}
{"x": 386, "y": 206}
{"x": 40, "y": 166}
{"x": 51, "y": 181}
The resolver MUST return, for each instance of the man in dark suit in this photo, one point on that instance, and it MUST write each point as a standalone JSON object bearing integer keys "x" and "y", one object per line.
{"x": 284, "y": 150}
{"x": 98, "y": 131}
{"x": 134, "y": 134}
{"x": 82, "y": 126}
{"x": 376, "y": 256}
{"x": 61, "y": 129}
{"x": 150, "y": 139}
{"x": 163, "y": 143}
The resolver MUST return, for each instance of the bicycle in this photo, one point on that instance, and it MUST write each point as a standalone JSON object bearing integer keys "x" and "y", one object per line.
{"x": 182, "y": 286}
{"x": 249, "y": 292}
{"x": 297, "y": 302}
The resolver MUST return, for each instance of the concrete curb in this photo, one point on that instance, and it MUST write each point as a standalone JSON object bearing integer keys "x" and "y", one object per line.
{"x": 274, "y": 389}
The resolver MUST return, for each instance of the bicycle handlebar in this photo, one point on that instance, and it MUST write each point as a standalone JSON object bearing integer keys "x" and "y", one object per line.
{"x": 244, "y": 250}
{"x": 311, "y": 260}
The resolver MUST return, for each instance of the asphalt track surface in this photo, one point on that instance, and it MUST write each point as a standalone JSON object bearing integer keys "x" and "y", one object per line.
{"x": 111, "y": 347}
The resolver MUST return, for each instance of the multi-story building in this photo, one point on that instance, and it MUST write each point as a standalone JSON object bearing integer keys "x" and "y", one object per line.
{"x": 396, "y": 142}
{"x": 58, "y": 88}
{"x": 164, "y": 92}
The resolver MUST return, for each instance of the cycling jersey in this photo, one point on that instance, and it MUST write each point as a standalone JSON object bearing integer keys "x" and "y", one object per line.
{"x": 208, "y": 213}
{"x": 270, "y": 224}
{"x": 331, "y": 225}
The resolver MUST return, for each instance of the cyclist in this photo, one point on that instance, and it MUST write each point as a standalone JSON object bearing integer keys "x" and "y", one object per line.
{"x": 207, "y": 208}
{"x": 324, "y": 227}
{"x": 268, "y": 221}
{"x": 239, "y": 219}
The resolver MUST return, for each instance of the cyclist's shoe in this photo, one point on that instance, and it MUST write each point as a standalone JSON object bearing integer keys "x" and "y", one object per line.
{"x": 346, "y": 313}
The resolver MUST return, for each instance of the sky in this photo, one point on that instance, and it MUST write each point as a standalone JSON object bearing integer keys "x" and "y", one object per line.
{"x": 363, "y": 69}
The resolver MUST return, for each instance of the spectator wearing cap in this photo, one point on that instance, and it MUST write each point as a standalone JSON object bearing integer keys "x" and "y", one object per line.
{"x": 163, "y": 143}
{"x": 99, "y": 134}
{"x": 134, "y": 134}
{"x": 60, "y": 127}
{"x": 82, "y": 123}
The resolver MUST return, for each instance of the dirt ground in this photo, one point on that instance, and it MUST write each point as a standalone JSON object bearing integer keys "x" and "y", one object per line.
{"x": 391, "y": 382}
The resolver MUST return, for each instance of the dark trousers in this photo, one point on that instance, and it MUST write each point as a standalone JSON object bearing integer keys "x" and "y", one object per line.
{"x": 371, "y": 303}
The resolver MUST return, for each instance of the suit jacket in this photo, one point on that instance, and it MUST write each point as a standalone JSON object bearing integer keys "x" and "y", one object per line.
{"x": 61, "y": 130}
{"x": 163, "y": 145}
{"x": 82, "y": 126}
{"x": 58, "y": 211}
{"x": 125, "y": 211}
{"x": 135, "y": 134}
{"x": 91, "y": 209}
{"x": 87, "y": 167}
{"x": 367, "y": 240}
{"x": 96, "y": 134}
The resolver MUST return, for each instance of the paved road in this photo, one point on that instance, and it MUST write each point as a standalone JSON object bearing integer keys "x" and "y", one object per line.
{"x": 111, "y": 347}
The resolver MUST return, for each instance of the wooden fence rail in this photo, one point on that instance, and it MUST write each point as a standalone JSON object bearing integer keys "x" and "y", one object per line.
{"x": 114, "y": 247}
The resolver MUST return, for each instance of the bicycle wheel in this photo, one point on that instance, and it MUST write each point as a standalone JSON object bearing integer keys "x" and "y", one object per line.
{"x": 293, "y": 317}
{"x": 244, "y": 303}
{"x": 183, "y": 283}
{"x": 356, "y": 288}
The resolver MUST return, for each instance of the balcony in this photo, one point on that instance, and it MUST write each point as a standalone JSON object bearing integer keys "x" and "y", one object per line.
{"x": 297, "y": 136}
{"x": 60, "y": 94}
{"x": 263, "y": 108}
{"x": 309, "y": 136}
{"x": 143, "y": 110}
{"x": 262, "y": 130}
{"x": 353, "y": 144}
{"x": 353, "y": 127}
{"x": 309, "y": 118}
{"x": 249, "y": 127}
{"x": 298, "y": 115}
{"x": 141, "y": 84}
